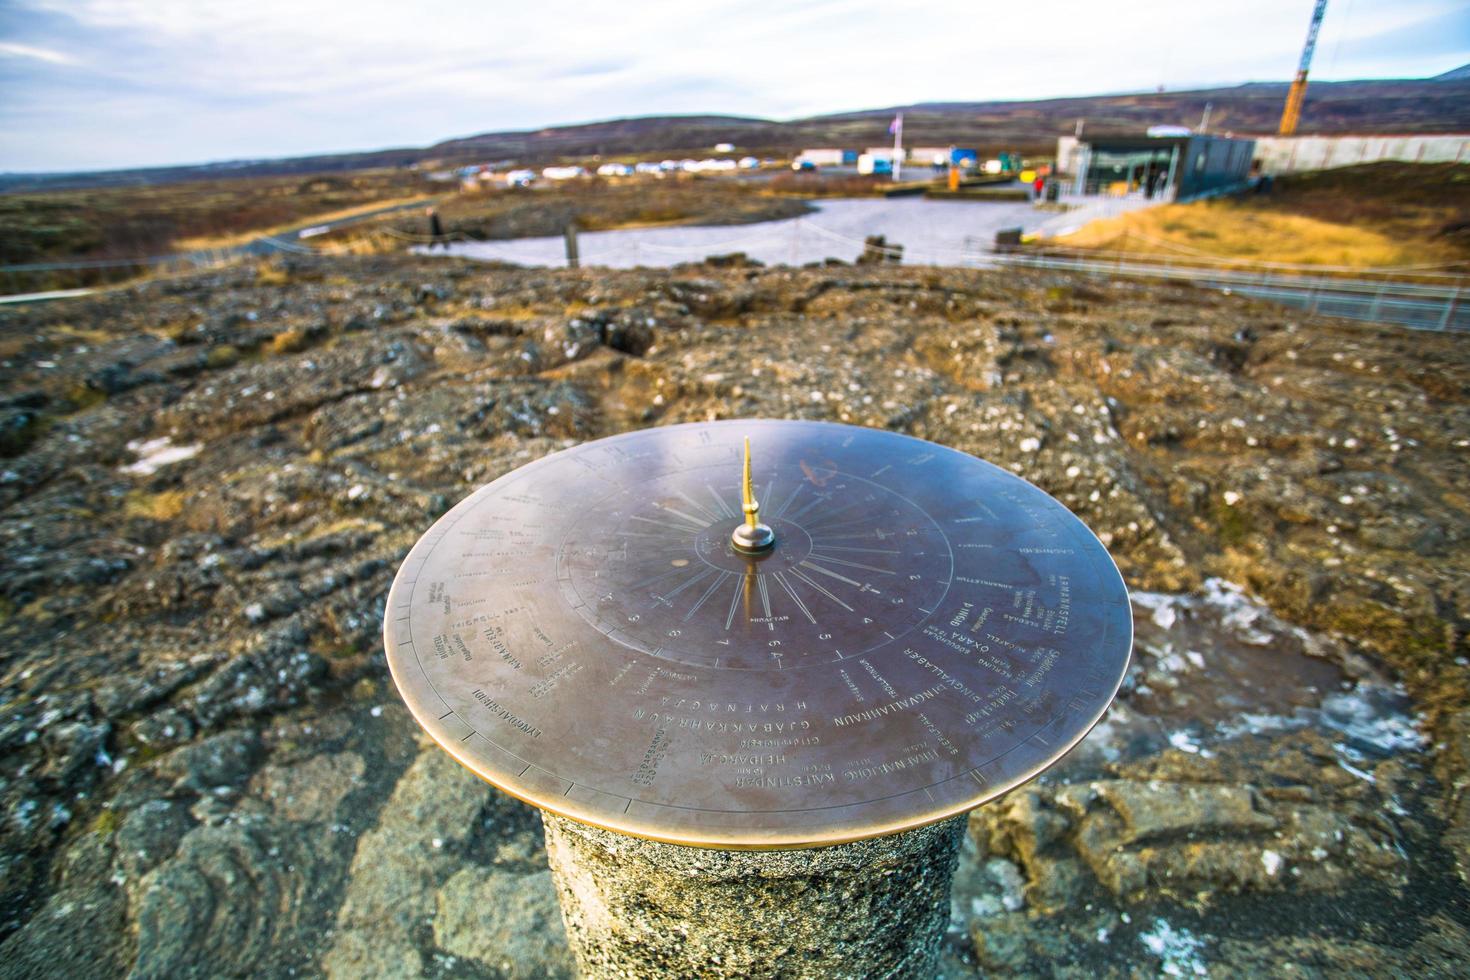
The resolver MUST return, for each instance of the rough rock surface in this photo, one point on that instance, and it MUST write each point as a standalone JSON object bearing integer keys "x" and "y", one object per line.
{"x": 637, "y": 908}
{"x": 508, "y": 921}
{"x": 207, "y": 483}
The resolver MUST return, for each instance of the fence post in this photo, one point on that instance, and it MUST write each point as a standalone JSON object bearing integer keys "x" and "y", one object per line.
{"x": 570, "y": 233}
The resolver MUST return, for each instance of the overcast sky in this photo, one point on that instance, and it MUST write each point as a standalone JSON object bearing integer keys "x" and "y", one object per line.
{"x": 90, "y": 84}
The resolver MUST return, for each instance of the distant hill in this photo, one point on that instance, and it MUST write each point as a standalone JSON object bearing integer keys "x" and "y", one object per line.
{"x": 1407, "y": 106}
{"x": 1431, "y": 105}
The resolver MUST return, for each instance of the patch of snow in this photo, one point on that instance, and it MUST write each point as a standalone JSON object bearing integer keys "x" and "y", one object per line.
{"x": 1104, "y": 738}
{"x": 1173, "y": 663}
{"x": 1179, "y": 949}
{"x": 1012, "y": 885}
{"x": 1163, "y": 607}
{"x": 985, "y": 907}
{"x": 1186, "y": 742}
{"x": 24, "y": 816}
{"x": 1248, "y": 723}
{"x": 154, "y": 454}
{"x": 1371, "y": 716}
{"x": 1238, "y": 611}
{"x": 1271, "y": 861}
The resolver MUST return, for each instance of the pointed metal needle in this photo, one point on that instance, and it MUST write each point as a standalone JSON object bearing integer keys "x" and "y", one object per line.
{"x": 752, "y": 536}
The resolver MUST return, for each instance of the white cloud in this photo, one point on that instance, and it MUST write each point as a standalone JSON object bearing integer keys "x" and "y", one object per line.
{"x": 202, "y": 79}
{"x": 39, "y": 54}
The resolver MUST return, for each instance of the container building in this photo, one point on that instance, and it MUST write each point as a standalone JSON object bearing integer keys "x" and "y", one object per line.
{"x": 1179, "y": 167}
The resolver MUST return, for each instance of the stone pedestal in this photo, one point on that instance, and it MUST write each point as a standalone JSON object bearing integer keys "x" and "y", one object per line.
{"x": 641, "y": 909}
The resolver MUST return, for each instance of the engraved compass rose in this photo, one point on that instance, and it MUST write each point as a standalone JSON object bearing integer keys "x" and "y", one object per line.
{"x": 758, "y": 633}
{"x": 680, "y": 567}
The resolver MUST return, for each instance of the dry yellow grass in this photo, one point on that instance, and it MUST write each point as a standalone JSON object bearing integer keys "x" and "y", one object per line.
{"x": 270, "y": 273}
{"x": 288, "y": 341}
{"x": 163, "y": 506}
{"x": 1224, "y": 229}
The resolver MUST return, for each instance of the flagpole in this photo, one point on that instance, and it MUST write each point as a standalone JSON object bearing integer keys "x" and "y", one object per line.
{"x": 897, "y": 147}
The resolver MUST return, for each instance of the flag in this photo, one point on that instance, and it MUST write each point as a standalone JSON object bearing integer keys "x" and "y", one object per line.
{"x": 896, "y": 127}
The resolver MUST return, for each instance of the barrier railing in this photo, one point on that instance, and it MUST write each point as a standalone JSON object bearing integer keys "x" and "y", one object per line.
{"x": 1435, "y": 304}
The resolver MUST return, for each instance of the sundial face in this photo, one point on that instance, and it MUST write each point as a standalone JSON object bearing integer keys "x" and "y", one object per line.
{"x": 924, "y": 632}
{"x": 857, "y": 567}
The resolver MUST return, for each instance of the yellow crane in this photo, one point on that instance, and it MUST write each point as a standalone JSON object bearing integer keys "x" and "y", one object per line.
{"x": 1298, "y": 92}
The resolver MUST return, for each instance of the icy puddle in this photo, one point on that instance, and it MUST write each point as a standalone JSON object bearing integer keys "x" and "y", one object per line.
{"x": 931, "y": 233}
{"x": 1220, "y": 665}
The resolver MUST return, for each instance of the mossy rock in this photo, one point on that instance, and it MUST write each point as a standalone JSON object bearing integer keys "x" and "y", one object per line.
{"x": 222, "y": 356}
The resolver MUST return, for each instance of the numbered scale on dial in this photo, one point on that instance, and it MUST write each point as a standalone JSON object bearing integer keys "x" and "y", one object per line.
{"x": 758, "y": 634}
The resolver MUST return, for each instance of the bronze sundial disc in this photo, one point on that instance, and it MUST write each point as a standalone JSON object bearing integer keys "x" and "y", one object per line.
{"x": 870, "y": 634}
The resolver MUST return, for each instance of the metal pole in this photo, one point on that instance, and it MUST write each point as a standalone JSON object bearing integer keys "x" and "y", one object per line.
{"x": 897, "y": 149}
{"x": 1173, "y": 169}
